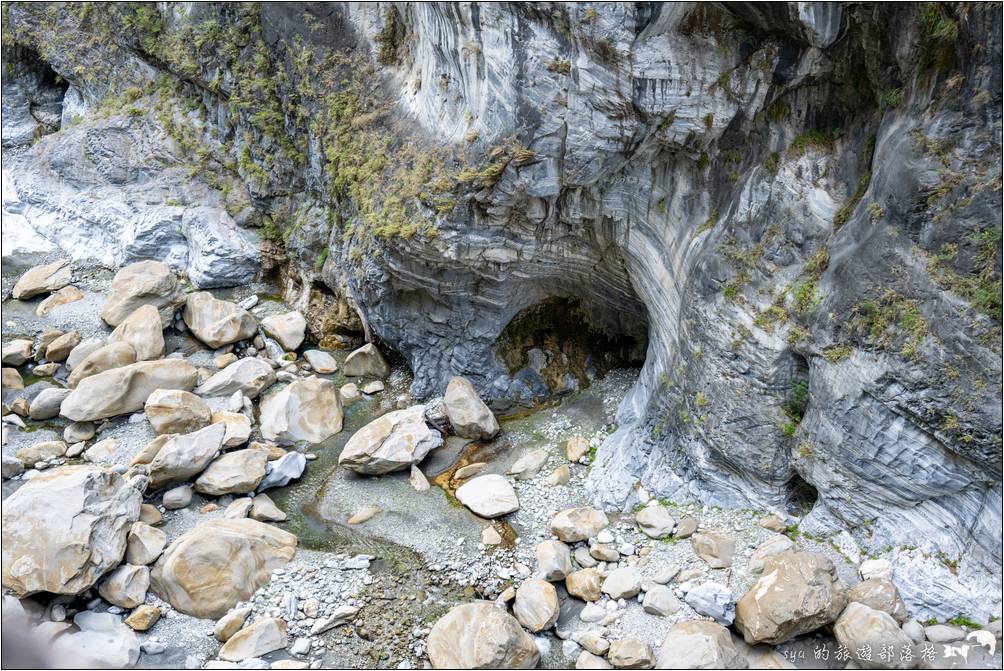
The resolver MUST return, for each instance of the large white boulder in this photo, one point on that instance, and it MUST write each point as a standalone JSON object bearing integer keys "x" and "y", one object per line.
{"x": 390, "y": 443}
{"x": 143, "y": 283}
{"x": 367, "y": 361}
{"x": 307, "y": 410}
{"x": 126, "y": 389}
{"x": 102, "y": 358}
{"x": 699, "y": 644}
{"x": 250, "y": 376}
{"x": 237, "y": 472}
{"x": 42, "y": 280}
{"x": 65, "y": 528}
{"x": 184, "y": 456}
{"x": 176, "y": 411}
{"x": 488, "y": 496}
{"x": 216, "y": 322}
{"x": 468, "y": 414}
{"x": 288, "y": 329}
{"x": 480, "y": 635}
{"x": 220, "y": 562}
{"x": 143, "y": 331}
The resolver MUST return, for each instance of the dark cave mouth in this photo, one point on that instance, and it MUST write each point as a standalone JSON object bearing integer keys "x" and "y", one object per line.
{"x": 561, "y": 344}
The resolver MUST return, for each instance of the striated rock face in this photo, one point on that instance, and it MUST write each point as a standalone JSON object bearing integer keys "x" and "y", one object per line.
{"x": 790, "y": 208}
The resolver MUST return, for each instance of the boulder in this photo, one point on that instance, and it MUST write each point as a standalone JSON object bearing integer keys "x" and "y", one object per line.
{"x": 231, "y": 623}
{"x": 559, "y": 476}
{"x": 875, "y": 568}
{"x": 219, "y": 563}
{"x": 307, "y": 410}
{"x": 320, "y": 361}
{"x": 554, "y": 560}
{"x": 11, "y": 467}
{"x": 237, "y": 472}
{"x": 622, "y": 583}
{"x": 529, "y": 464}
{"x": 126, "y": 586}
{"x": 390, "y": 443}
{"x": 660, "y": 600}
{"x": 143, "y": 283}
{"x": 699, "y": 644}
{"x": 880, "y": 594}
{"x": 576, "y": 448}
{"x": 349, "y": 393}
{"x": 536, "y": 604}
{"x": 655, "y": 521}
{"x": 42, "y": 280}
{"x": 488, "y": 496}
{"x": 103, "y": 452}
{"x": 468, "y": 414}
{"x": 714, "y": 547}
{"x": 480, "y": 635}
{"x": 587, "y": 660}
{"x": 183, "y": 457}
{"x": 259, "y": 638}
{"x": 177, "y": 498}
{"x": 30, "y": 454}
{"x": 65, "y": 296}
{"x": 630, "y": 653}
{"x": 578, "y": 524}
{"x": 17, "y": 351}
{"x": 686, "y": 527}
{"x": 288, "y": 329}
{"x": 250, "y": 376}
{"x": 176, "y": 411}
{"x": 126, "y": 389}
{"x": 102, "y": 642}
{"x": 65, "y": 528}
{"x": 144, "y": 544}
{"x": 216, "y": 322}
{"x": 860, "y": 626}
{"x": 367, "y": 361}
{"x": 769, "y": 548}
{"x": 797, "y": 593}
{"x": 86, "y": 347}
{"x": 713, "y": 600}
{"x": 11, "y": 379}
{"x": 584, "y": 584}
{"x": 264, "y": 509}
{"x": 46, "y": 404}
{"x": 61, "y": 347}
{"x": 143, "y": 617}
{"x": 238, "y": 427}
{"x": 283, "y": 470}
{"x": 104, "y": 358}
{"x": 143, "y": 331}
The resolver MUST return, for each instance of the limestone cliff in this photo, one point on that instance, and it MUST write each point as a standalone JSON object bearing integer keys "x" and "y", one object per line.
{"x": 793, "y": 209}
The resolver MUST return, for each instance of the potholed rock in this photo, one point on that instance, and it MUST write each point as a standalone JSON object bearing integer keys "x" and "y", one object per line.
{"x": 391, "y": 442}
{"x": 103, "y": 358}
{"x": 578, "y": 524}
{"x": 42, "y": 280}
{"x": 219, "y": 563}
{"x": 237, "y": 472}
{"x": 250, "y": 376}
{"x": 126, "y": 389}
{"x": 468, "y": 414}
{"x": 65, "y": 528}
{"x": 367, "y": 361}
{"x": 143, "y": 283}
{"x": 798, "y": 592}
{"x": 307, "y": 410}
{"x": 480, "y": 635}
{"x": 288, "y": 329}
{"x": 185, "y": 456}
{"x": 488, "y": 496}
{"x": 699, "y": 644}
{"x": 143, "y": 331}
{"x": 176, "y": 411}
{"x": 216, "y": 322}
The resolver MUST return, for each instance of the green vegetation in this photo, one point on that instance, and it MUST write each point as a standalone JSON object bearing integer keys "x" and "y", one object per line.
{"x": 891, "y": 321}
{"x": 709, "y": 120}
{"x": 837, "y": 353}
{"x": 847, "y": 209}
{"x": 707, "y": 225}
{"x": 981, "y": 286}
{"x": 815, "y": 140}
{"x": 390, "y": 37}
{"x": 875, "y": 211}
{"x": 779, "y": 111}
{"x": 772, "y": 162}
{"x": 892, "y": 98}
{"x": 941, "y": 34}
{"x": 560, "y": 65}
{"x": 965, "y": 621}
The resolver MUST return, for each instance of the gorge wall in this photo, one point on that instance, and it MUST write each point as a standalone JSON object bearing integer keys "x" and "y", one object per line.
{"x": 793, "y": 207}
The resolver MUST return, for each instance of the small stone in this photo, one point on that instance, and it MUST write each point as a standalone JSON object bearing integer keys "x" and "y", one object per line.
{"x": 418, "y": 480}
{"x": 143, "y": 617}
{"x": 773, "y": 523}
{"x": 558, "y": 476}
{"x": 622, "y": 583}
{"x": 630, "y": 653}
{"x": 660, "y": 600}
{"x": 364, "y": 514}
{"x": 178, "y": 497}
{"x": 490, "y": 537}
{"x": 230, "y": 624}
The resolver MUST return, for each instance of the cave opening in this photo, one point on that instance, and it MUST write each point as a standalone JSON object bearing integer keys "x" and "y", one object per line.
{"x": 801, "y": 496}
{"x": 562, "y": 343}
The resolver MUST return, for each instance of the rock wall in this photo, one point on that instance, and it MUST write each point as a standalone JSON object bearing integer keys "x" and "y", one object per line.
{"x": 798, "y": 202}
